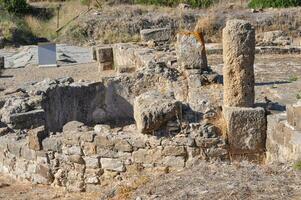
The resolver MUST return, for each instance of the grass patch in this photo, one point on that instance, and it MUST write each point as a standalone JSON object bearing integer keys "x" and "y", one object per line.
{"x": 293, "y": 78}
{"x": 274, "y": 3}
{"x": 15, "y": 30}
{"x": 297, "y": 166}
{"x": 298, "y": 96}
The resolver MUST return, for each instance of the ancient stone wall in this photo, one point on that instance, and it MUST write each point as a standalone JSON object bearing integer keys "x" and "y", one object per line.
{"x": 80, "y": 157}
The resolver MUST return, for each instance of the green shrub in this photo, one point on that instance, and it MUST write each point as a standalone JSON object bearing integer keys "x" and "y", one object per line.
{"x": 14, "y": 6}
{"x": 274, "y": 3}
{"x": 193, "y": 3}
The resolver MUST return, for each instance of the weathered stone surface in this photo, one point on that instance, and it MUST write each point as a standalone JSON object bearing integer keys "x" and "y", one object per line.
{"x": 103, "y": 142}
{"x": 30, "y": 119}
{"x": 246, "y": 129}
{"x": 73, "y": 126}
{"x": 52, "y": 144}
{"x": 158, "y": 34}
{"x": 283, "y": 143}
{"x": 274, "y": 38}
{"x": 153, "y": 110}
{"x": 112, "y": 164}
{"x": 191, "y": 51}
{"x": 102, "y": 128}
{"x": 174, "y": 151}
{"x": 123, "y": 145}
{"x": 92, "y": 162}
{"x": 105, "y": 58}
{"x": 294, "y": 115}
{"x": 147, "y": 156}
{"x": 76, "y": 159}
{"x": 104, "y": 54}
{"x": 238, "y": 70}
{"x": 174, "y": 161}
{"x": 35, "y": 138}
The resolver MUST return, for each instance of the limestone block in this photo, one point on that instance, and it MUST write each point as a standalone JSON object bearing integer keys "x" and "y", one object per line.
{"x": 105, "y": 58}
{"x": 147, "y": 156}
{"x": 123, "y": 145}
{"x": 238, "y": 70}
{"x": 92, "y": 162}
{"x": 294, "y": 115}
{"x": 174, "y": 151}
{"x": 246, "y": 129}
{"x": 174, "y": 161}
{"x": 104, "y": 54}
{"x": 30, "y": 119}
{"x": 152, "y": 111}
{"x": 157, "y": 34}
{"x": 73, "y": 126}
{"x": 35, "y": 138}
{"x": 52, "y": 144}
{"x": 190, "y": 49}
{"x": 112, "y": 164}
{"x": 283, "y": 142}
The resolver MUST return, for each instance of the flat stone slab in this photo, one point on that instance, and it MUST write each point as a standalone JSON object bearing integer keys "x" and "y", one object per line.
{"x": 28, "y": 55}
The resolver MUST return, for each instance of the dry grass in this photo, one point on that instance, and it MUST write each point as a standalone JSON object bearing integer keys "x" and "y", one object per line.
{"x": 47, "y": 28}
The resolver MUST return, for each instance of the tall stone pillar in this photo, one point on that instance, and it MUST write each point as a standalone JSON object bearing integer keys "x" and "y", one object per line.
{"x": 238, "y": 71}
{"x": 246, "y": 125}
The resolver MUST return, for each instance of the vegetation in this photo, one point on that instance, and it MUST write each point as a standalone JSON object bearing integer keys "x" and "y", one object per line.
{"x": 15, "y": 29}
{"x": 193, "y": 3}
{"x": 297, "y": 165}
{"x": 274, "y": 3}
{"x": 14, "y": 6}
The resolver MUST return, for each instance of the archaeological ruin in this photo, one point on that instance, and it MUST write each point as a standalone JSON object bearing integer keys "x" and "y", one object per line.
{"x": 165, "y": 109}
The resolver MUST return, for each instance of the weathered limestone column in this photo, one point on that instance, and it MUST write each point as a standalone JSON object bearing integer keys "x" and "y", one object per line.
{"x": 246, "y": 126}
{"x": 239, "y": 54}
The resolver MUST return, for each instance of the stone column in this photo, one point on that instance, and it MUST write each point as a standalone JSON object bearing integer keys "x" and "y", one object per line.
{"x": 238, "y": 71}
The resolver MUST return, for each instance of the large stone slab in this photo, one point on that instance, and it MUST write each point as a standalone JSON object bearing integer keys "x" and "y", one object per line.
{"x": 191, "y": 51}
{"x": 246, "y": 129}
{"x": 294, "y": 115}
{"x": 30, "y": 119}
{"x": 158, "y": 34}
{"x": 153, "y": 110}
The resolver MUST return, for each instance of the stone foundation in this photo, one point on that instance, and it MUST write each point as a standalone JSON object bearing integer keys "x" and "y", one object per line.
{"x": 283, "y": 136}
{"x": 82, "y": 157}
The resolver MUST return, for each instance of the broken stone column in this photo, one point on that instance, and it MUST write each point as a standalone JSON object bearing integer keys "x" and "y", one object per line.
{"x": 1, "y": 62}
{"x": 245, "y": 125}
{"x": 238, "y": 71}
{"x": 105, "y": 58}
{"x": 191, "y": 51}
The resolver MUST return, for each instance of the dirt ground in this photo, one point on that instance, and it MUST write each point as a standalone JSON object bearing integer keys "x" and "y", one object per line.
{"x": 11, "y": 189}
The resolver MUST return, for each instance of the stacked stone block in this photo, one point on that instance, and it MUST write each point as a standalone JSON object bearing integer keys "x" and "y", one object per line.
{"x": 284, "y": 135}
{"x": 81, "y": 158}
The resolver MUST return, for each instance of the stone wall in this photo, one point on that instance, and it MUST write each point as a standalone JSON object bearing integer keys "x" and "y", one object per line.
{"x": 80, "y": 157}
{"x": 284, "y": 136}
